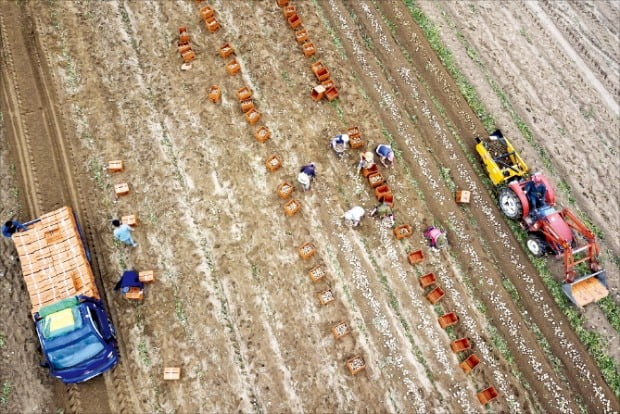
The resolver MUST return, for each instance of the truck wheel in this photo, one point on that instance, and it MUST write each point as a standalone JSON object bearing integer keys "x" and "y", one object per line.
{"x": 536, "y": 245}
{"x": 510, "y": 204}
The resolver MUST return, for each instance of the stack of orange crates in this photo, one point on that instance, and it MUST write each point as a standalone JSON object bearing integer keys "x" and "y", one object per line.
{"x": 53, "y": 260}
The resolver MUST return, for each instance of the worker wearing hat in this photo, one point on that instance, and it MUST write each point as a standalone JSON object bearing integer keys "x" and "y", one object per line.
{"x": 386, "y": 154}
{"x": 367, "y": 160}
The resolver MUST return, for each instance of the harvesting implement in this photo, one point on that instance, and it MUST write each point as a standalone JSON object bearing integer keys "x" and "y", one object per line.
{"x": 530, "y": 199}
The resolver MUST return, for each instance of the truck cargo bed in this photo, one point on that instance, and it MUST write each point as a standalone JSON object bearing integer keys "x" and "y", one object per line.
{"x": 53, "y": 260}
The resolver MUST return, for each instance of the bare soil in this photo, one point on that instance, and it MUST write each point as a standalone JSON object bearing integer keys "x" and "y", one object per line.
{"x": 84, "y": 83}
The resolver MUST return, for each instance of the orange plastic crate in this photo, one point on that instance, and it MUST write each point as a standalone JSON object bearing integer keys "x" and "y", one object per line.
{"x": 381, "y": 190}
{"x": 460, "y": 345}
{"x": 375, "y": 179}
{"x": 341, "y": 330}
{"x": 325, "y": 297}
{"x": 226, "y": 50}
{"x": 188, "y": 56}
{"x": 435, "y": 295}
{"x": 212, "y": 25}
{"x": 356, "y": 364}
{"x": 244, "y": 93}
{"x": 247, "y": 105}
{"x": 273, "y": 163}
{"x": 309, "y": 49}
{"x": 262, "y": 134}
{"x": 331, "y": 94}
{"x": 135, "y": 293}
{"x": 292, "y": 207}
{"x": 215, "y": 93}
{"x": 402, "y": 231}
{"x": 354, "y": 132}
{"x": 130, "y": 220}
{"x": 288, "y": 11}
{"x": 487, "y": 395}
{"x": 306, "y": 250}
{"x": 252, "y": 116}
{"x": 448, "y": 319}
{"x": 294, "y": 21}
{"x": 233, "y": 67}
{"x": 463, "y": 197}
{"x": 318, "y": 92}
{"x": 301, "y": 36}
{"x": 415, "y": 257}
{"x": 470, "y": 363}
{"x": 427, "y": 280}
{"x": 121, "y": 189}
{"x": 146, "y": 276}
{"x": 206, "y": 12}
{"x": 285, "y": 190}
{"x": 316, "y": 273}
{"x": 172, "y": 373}
{"x": 115, "y": 166}
{"x": 356, "y": 142}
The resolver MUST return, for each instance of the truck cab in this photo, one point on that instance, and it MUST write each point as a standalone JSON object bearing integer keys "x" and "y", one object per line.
{"x": 77, "y": 338}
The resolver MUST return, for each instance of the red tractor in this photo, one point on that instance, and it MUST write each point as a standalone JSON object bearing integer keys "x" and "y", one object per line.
{"x": 531, "y": 200}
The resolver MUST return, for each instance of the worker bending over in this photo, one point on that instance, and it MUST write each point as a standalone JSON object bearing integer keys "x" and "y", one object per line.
{"x": 354, "y": 216}
{"x": 384, "y": 212}
{"x": 367, "y": 160}
{"x": 386, "y": 155}
{"x": 339, "y": 144}
{"x": 306, "y": 175}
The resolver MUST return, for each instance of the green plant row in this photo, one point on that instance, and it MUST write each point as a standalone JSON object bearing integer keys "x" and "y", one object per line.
{"x": 593, "y": 341}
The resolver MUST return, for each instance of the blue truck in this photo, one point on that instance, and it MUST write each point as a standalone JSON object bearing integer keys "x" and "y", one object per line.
{"x": 77, "y": 337}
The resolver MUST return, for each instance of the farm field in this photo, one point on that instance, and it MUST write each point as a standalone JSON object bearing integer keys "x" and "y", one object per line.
{"x": 84, "y": 82}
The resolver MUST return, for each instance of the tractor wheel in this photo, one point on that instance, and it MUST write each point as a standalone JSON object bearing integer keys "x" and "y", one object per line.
{"x": 536, "y": 245}
{"x": 510, "y": 204}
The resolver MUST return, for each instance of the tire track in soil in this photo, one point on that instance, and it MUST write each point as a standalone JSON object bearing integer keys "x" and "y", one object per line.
{"x": 46, "y": 171}
{"x": 584, "y": 44}
{"x": 549, "y": 20}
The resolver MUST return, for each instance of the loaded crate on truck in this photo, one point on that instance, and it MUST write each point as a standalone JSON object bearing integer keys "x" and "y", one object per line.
{"x": 77, "y": 337}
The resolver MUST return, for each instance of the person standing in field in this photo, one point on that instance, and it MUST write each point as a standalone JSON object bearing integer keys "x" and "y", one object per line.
{"x": 122, "y": 233}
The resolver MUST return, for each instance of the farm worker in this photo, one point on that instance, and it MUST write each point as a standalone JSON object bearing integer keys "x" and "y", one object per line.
{"x": 339, "y": 143}
{"x": 367, "y": 160}
{"x": 354, "y": 215}
{"x": 122, "y": 232}
{"x": 11, "y": 227}
{"x": 436, "y": 237}
{"x": 383, "y": 210}
{"x": 307, "y": 173}
{"x": 385, "y": 153}
{"x": 129, "y": 279}
{"x": 535, "y": 191}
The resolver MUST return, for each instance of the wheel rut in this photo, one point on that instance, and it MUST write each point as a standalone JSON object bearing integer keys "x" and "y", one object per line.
{"x": 48, "y": 176}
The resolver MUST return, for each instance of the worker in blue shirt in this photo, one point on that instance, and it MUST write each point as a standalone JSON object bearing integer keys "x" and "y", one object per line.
{"x": 11, "y": 227}
{"x": 307, "y": 173}
{"x": 385, "y": 153}
{"x": 122, "y": 232}
{"x": 130, "y": 279}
